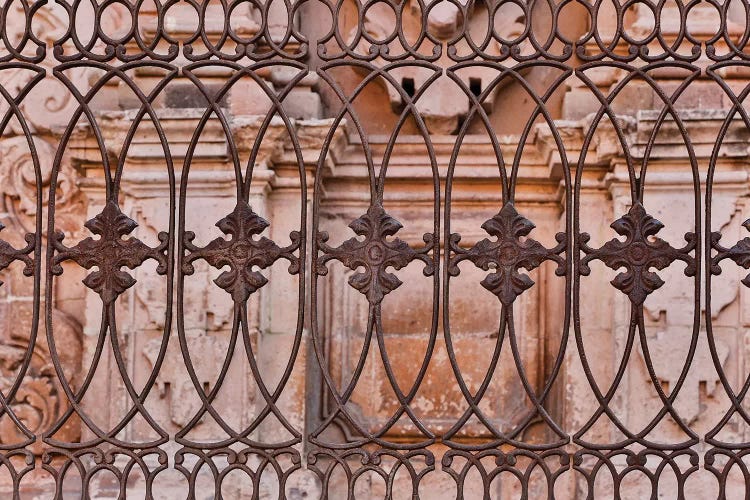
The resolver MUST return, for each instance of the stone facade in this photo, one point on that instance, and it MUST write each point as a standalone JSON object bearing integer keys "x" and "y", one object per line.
{"x": 225, "y": 307}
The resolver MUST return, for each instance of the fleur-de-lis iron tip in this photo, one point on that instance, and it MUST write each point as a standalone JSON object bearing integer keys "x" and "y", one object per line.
{"x": 110, "y": 253}
{"x": 640, "y": 252}
{"x": 242, "y": 252}
{"x": 511, "y": 251}
{"x": 9, "y": 254}
{"x": 375, "y": 253}
{"x": 739, "y": 253}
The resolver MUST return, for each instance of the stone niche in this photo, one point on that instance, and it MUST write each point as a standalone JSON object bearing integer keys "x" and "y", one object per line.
{"x": 412, "y": 313}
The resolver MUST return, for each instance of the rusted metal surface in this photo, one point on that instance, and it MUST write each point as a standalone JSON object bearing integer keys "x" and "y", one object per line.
{"x": 506, "y": 252}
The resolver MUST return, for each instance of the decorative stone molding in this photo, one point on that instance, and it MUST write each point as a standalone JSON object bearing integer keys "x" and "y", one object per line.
{"x": 27, "y": 158}
{"x": 40, "y": 401}
{"x": 508, "y": 254}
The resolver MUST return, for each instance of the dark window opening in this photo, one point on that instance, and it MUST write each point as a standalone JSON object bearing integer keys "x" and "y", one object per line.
{"x": 475, "y": 85}
{"x": 408, "y": 85}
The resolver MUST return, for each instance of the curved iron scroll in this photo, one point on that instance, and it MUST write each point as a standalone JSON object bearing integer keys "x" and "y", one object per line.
{"x": 359, "y": 249}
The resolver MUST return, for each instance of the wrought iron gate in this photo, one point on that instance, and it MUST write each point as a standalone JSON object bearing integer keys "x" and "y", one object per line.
{"x": 375, "y": 312}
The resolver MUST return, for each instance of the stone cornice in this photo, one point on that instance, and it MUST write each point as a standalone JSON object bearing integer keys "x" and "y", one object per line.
{"x": 540, "y": 167}
{"x": 276, "y": 160}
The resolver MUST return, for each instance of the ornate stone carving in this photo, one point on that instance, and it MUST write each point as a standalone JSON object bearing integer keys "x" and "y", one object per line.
{"x": 36, "y": 404}
{"x": 375, "y": 253}
{"x": 110, "y": 253}
{"x": 49, "y": 105}
{"x": 40, "y": 401}
{"x": 507, "y": 254}
{"x": 19, "y": 190}
{"x": 18, "y": 178}
{"x": 241, "y": 253}
{"x": 640, "y": 252}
